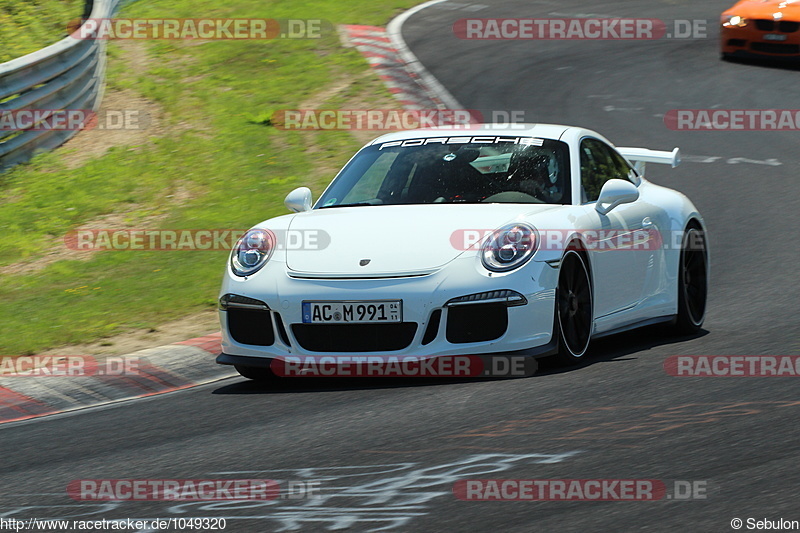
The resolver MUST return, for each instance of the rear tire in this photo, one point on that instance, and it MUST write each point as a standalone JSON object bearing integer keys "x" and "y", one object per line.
{"x": 574, "y": 309}
{"x": 692, "y": 282}
{"x": 256, "y": 373}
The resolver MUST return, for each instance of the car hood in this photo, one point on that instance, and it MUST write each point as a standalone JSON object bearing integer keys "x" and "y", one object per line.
{"x": 375, "y": 241}
{"x": 766, "y": 8}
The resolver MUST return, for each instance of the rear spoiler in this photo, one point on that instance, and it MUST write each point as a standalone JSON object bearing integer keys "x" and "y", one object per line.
{"x": 640, "y": 156}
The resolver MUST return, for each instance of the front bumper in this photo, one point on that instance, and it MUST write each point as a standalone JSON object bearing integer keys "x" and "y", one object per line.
{"x": 749, "y": 41}
{"x": 430, "y": 326}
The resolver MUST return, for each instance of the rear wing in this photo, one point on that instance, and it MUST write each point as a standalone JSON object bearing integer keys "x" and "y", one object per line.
{"x": 639, "y": 156}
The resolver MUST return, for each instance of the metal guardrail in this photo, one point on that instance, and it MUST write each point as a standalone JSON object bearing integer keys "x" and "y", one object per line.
{"x": 69, "y": 74}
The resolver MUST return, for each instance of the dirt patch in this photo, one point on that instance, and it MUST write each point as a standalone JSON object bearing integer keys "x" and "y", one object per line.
{"x": 360, "y": 91}
{"x": 135, "y": 53}
{"x": 124, "y": 119}
{"x": 65, "y": 248}
{"x": 196, "y": 325}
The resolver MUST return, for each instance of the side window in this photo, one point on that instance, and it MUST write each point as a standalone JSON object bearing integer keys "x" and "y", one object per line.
{"x": 600, "y": 163}
{"x": 623, "y": 167}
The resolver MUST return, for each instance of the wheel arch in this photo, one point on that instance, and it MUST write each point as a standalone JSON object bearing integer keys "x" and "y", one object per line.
{"x": 695, "y": 221}
{"x": 577, "y": 244}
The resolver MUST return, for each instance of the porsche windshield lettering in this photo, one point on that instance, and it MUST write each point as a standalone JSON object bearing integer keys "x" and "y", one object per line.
{"x": 464, "y": 140}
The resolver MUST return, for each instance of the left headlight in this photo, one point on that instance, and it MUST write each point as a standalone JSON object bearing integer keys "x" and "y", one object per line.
{"x": 252, "y": 251}
{"x": 509, "y": 247}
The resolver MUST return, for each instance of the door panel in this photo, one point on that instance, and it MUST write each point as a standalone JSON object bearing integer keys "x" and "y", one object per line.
{"x": 619, "y": 257}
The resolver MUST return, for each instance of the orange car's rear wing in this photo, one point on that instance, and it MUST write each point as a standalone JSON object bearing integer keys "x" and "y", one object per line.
{"x": 639, "y": 156}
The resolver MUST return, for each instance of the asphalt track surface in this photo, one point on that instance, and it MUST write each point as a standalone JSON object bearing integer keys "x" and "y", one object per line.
{"x": 386, "y": 453}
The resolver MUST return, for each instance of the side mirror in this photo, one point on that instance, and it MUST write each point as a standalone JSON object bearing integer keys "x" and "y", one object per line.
{"x": 298, "y": 200}
{"x": 614, "y": 193}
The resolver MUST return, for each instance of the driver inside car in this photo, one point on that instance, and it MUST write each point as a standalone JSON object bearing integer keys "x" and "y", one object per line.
{"x": 530, "y": 174}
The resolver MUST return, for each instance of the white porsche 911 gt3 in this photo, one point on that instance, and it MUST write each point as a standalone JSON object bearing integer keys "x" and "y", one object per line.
{"x": 526, "y": 240}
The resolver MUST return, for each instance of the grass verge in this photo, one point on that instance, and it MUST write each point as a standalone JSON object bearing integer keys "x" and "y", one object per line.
{"x": 28, "y": 25}
{"x": 211, "y": 163}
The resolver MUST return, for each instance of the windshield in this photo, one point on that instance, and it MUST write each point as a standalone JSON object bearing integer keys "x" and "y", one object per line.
{"x": 454, "y": 170}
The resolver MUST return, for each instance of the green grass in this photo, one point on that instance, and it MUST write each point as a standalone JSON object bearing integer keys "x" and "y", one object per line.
{"x": 231, "y": 169}
{"x": 28, "y": 25}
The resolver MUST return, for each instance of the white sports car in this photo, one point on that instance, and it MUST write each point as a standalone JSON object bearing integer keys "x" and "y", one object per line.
{"x": 527, "y": 240}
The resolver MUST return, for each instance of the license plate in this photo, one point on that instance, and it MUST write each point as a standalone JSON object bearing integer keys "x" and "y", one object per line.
{"x": 774, "y": 37}
{"x": 377, "y": 312}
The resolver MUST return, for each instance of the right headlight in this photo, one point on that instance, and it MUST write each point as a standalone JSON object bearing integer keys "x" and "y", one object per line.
{"x": 734, "y": 20}
{"x": 252, "y": 251}
{"x": 509, "y": 247}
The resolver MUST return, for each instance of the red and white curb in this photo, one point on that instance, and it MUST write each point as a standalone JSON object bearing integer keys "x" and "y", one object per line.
{"x": 374, "y": 44}
{"x": 158, "y": 370}
{"x": 397, "y": 66}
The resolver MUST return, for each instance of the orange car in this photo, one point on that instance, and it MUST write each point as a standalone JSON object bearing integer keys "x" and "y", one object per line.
{"x": 762, "y": 28}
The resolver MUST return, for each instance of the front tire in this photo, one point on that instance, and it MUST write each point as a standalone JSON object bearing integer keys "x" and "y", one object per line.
{"x": 692, "y": 282}
{"x": 573, "y": 309}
